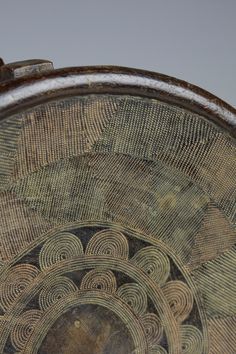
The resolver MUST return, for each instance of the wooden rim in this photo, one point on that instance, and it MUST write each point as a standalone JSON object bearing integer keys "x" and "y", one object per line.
{"x": 19, "y": 94}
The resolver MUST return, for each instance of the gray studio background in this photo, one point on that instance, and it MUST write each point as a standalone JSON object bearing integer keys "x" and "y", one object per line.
{"x": 194, "y": 40}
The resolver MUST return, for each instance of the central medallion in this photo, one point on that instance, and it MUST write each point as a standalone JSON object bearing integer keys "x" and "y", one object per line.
{"x": 88, "y": 329}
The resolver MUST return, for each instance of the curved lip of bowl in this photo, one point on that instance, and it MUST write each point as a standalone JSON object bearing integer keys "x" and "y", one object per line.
{"x": 23, "y": 93}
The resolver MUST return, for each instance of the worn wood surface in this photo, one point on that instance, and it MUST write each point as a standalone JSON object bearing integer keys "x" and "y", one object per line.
{"x": 118, "y": 215}
{"x": 25, "y": 92}
{"x": 23, "y": 69}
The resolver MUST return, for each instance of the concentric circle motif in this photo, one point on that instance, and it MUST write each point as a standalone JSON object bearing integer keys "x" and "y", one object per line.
{"x": 24, "y": 327}
{"x": 99, "y": 280}
{"x": 62, "y": 247}
{"x": 58, "y": 288}
{"x": 99, "y": 290}
{"x": 153, "y": 262}
{"x": 16, "y": 280}
{"x": 179, "y": 298}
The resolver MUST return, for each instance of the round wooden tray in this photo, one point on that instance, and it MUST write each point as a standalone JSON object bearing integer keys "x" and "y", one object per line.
{"x": 118, "y": 213}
